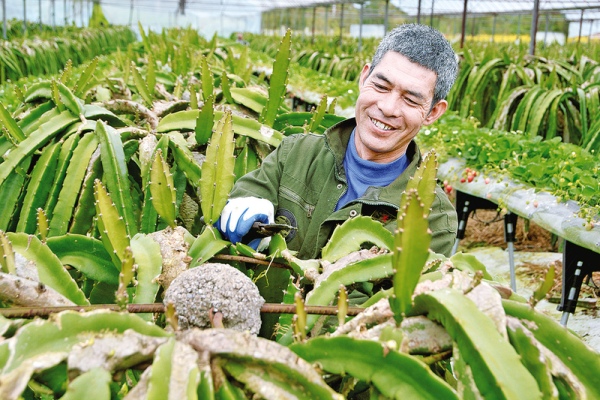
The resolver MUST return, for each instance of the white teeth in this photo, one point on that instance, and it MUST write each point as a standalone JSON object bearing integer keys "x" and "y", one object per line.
{"x": 381, "y": 125}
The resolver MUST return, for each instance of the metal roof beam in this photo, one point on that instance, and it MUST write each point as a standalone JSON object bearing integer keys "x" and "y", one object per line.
{"x": 512, "y": 12}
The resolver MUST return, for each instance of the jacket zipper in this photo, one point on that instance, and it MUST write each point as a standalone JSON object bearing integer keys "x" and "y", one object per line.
{"x": 376, "y": 203}
{"x": 290, "y": 195}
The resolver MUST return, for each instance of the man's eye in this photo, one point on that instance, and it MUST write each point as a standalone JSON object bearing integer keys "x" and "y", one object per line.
{"x": 379, "y": 86}
{"x": 411, "y": 101}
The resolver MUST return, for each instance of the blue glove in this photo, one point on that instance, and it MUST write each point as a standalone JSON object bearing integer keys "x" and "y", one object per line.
{"x": 240, "y": 213}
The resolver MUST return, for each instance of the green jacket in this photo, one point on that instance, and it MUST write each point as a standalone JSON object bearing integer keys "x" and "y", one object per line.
{"x": 304, "y": 178}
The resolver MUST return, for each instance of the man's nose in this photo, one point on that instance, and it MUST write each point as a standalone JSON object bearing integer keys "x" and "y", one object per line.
{"x": 390, "y": 106}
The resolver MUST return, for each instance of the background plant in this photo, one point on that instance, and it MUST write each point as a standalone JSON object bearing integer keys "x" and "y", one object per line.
{"x": 552, "y": 94}
{"x": 104, "y": 182}
{"x": 16, "y": 29}
{"x": 565, "y": 170}
{"x": 48, "y": 55}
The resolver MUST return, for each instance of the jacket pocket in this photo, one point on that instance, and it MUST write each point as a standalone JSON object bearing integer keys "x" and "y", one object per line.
{"x": 292, "y": 196}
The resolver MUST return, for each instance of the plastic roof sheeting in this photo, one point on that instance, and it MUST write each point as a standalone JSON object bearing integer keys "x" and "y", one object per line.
{"x": 492, "y": 7}
{"x": 228, "y": 16}
{"x": 408, "y": 6}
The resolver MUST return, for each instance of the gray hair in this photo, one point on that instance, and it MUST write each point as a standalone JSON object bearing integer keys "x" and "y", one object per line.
{"x": 425, "y": 46}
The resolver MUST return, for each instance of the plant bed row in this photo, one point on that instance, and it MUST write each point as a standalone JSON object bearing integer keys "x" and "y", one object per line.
{"x": 112, "y": 187}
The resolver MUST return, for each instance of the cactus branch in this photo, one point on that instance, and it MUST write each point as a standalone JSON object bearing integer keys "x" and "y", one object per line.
{"x": 131, "y": 107}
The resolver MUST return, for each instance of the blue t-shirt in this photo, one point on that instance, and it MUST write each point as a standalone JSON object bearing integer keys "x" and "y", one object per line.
{"x": 363, "y": 173}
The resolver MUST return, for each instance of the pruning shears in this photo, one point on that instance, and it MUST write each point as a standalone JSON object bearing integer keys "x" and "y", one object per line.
{"x": 260, "y": 229}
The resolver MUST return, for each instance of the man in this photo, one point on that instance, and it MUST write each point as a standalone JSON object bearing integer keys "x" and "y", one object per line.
{"x": 360, "y": 165}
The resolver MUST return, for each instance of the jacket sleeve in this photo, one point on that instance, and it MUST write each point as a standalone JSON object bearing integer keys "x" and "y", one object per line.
{"x": 264, "y": 181}
{"x": 443, "y": 223}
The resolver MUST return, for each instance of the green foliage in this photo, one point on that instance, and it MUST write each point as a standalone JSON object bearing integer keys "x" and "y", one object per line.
{"x": 394, "y": 374}
{"x": 544, "y": 329}
{"x": 563, "y": 169}
{"x": 352, "y": 233}
{"x": 552, "y": 94}
{"x": 98, "y": 20}
{"x": 277, "y": 86}
{"x": 14, "y": 132}
{"x": 87, "y": 255}
{"x": 410, "y": 252}
{"x": 205, "y": 121}
{"x": 111, "y": 225}
{"x": 217, "y": 171}
{"x": 49, "y": 268}
{"x": 48, "y": 54}
{"x": 94, "y": 383}
{"x": 162, "y": 189}
{"x": 141, "y": 85}
{"x": 141, "y": 158}
{"x": 186, "y": 121}
{"x": 536, "y": 96}
{"x": 495, "y": 365}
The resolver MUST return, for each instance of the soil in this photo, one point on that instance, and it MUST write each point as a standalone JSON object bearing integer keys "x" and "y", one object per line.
{"x": 485, "y": 228}
{"x": 535, "y": 249}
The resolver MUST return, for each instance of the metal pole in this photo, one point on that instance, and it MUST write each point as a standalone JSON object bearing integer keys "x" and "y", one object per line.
{"x": 454, "y": 26}
{"x": 65, "y": 10}
{"x": 385, "y": 18}
{"x": 53, "y": 14}
{"x": 591, "y": 26}
{"x": 362, "y": 13}
{"x": 494, "y": 26}
{"x": 419, "y": 13}
{"x": 280, "y": 18}
{"x": 326, "y": 20}
{"x": 580, "y": 26}
{"x": 534, "y": 23}
{"x": 519, "y": 28}
{"x": 546, "y": 29}
{"x": 509, "y": 235}
{"x": 130, "y": 12}
{"x": 341, "y": 23}
{"x": 263, "y": 22}
{"x": 464, "y": 25}
{"x": 4, "y": 19}
{"x": 431, "y": 16}
{"x": 312, "y": 40}
{"x": 24, "y": 17}
{"x": 571, "y": 295}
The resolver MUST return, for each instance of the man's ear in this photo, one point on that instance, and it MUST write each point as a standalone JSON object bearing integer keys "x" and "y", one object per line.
{"x": 364, "y": 74}
{"x": 438, "y": 109}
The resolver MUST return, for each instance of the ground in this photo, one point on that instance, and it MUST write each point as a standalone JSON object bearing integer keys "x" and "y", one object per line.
{"x": 535, "y": 250}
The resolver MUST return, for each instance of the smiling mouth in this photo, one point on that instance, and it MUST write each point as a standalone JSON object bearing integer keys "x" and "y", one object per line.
{"x": 381, "y": 125}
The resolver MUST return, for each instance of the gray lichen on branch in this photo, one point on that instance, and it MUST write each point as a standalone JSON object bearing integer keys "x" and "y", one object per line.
{"x": 213, "y": 287}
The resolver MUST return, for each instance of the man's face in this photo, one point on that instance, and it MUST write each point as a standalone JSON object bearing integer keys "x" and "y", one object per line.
{"x": 393, "y": 103}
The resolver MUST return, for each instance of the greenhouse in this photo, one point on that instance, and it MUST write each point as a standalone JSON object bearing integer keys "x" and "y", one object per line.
{"x": 304, "y": 199}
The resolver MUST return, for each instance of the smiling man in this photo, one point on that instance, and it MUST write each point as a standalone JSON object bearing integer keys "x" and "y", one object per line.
{"x": 361, "y": 165}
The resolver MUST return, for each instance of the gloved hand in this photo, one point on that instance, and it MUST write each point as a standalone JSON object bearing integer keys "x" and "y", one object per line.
{"x": 240, "y": 213}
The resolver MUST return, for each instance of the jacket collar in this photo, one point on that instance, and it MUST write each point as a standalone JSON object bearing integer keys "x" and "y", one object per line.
{"x": 336, "y": 139}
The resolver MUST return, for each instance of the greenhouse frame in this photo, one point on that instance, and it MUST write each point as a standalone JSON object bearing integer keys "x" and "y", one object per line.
{"x": 237, "y": 200}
